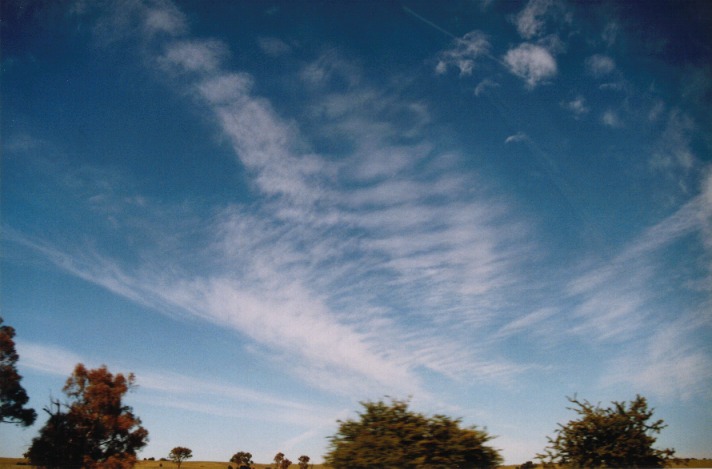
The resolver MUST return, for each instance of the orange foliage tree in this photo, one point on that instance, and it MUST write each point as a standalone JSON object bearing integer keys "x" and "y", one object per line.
{"x": 94, "y": 429}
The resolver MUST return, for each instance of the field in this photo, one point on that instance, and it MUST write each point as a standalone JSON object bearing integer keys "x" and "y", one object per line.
{"x": 14, "y": 463}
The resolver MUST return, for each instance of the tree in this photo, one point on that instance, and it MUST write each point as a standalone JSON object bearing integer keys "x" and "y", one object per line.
{"x": 278, "y": 458}
{"x": 616, "y": 436}
{"x": 93, "y": 429}
{"x": 180, "y": 454}
{"x": 303, "y": 462}
{"x": 242, "y": 459}
{"x": 13, "y": 396}
{"x": 284, "y": 464}
{"x": 391, "y": 435}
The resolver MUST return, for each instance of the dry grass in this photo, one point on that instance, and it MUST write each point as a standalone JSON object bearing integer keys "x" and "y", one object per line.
{"x": 16, "y": 463}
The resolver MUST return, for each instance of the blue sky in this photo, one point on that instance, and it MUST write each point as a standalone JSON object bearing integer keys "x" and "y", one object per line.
{"x": 270, "y": 211}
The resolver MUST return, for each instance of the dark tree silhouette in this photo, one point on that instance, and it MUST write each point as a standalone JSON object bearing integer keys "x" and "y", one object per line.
{"x": 304, "y": 461}
{"x": 94, "y": 429}
{"x": 243, "y": 460}
{"x": 390, "y": 436}
{"x": 278, "y": 458}
{"x": 180, "y": 454}
{"x": 616, "y": 436}
{"x": 13, "y": 396}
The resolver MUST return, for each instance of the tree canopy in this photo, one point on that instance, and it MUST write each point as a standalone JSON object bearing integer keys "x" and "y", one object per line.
{"x": 13, "y": 396}
{"x": 180, "y": 454}
{"x": 391, "y": 435}
{"x": 94, "y": 428}
{"x": 243, "y": 459}
{"x": 616, "y": 436}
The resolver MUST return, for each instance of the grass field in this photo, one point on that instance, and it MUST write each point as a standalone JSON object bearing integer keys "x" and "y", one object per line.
{"x": 14, "y": 463}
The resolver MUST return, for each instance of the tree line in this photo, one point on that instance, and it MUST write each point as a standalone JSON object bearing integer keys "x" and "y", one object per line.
{"x": 94, "y": 429}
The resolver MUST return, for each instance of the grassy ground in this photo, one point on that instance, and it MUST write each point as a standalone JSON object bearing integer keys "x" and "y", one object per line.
{"x": 15, "y": 463}
{"x": 12, "y": 463}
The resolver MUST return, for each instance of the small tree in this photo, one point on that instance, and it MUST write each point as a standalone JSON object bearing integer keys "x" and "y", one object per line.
{"x": 278, "y": 458}
{"x": 392, "y": 436}
{"x": 243, "y": 460}
{"x": 94, "y": 429}
{"x": 616, "y": 436}
{"x": 180, "y": 454}
{"x": 303, "y": 462}
{"x": 13, "y": 396}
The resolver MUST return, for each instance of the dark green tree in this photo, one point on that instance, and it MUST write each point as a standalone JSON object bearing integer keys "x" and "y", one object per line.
{"x": 616, "y": 436}
{"x": 390, "y": 436}
{"x": 243, "y": 460}
{"x": 13, "y": 396}
{"x": 94, "y": 429}
{"x": 304, "y": 461}
{"x": 180, "y": 454}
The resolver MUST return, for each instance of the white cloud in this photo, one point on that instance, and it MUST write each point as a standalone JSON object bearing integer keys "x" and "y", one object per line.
{"x": 485, "y": 85}
{"x": 610, "y": 118}
{"x": 600, "y": 65}
{"x": 464, "y": 53}
{"x": 610, "y": 33}
{"x": 518, "y": 137}
{"x": 273, "y": 46}
{"x": 674, "y": 147}
{"x": 532, "y": 63}
{"x": 195, "y": 56}
{"x": 532, "y": 20}
{"x": 48, "y": 359}
{"x": 577, "y": 106}
{"x": 314, "y": 267}
{"x": 669, "y": 365}
{"x": 614, "y": 298}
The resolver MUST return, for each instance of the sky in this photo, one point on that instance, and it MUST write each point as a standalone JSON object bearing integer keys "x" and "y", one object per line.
{"x": 272, "y": 211}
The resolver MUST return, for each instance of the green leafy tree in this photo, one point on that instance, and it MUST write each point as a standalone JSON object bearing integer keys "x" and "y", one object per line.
{"x": 304, "y": 461}
{"x": 13, "y": 396}
{"x": 616, "y": 436}
{"x": 243, "y": 459}
{"x": 94, "y": 429}
{"x": 180, "y": 454}
{"x": 392, "y": 436}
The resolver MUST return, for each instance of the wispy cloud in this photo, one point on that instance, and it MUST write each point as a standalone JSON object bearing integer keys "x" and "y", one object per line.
{"x": 273, "y": 46}
{"x": 577, "y": 106}
{"x": 464, "y": 52}
{"x": 610, "y": 118}
{"x": 518, "y": 137}
{"x": 673, "y": 149}
{"x": 533, "y": 63}
{"x": 668, "y": 365}
{"x": 485, "y": 85}
{"x": 532, "y": 20}
{"x": 600, "y": 65}
{"x": 176, "y": 390}
{"x": 314, "y": 267}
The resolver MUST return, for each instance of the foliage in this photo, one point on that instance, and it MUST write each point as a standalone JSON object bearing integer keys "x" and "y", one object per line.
{"x": 180, "y": 454}
{"x": 616, "y": 436}
{"x": 392, "y": 436}
{"x": 243, "y": 460}
{"x": 303, "y": 461}
{"x": 94, "y": 429}
{"x": 278, "y": 458}
{"x": 13, "y": 396}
